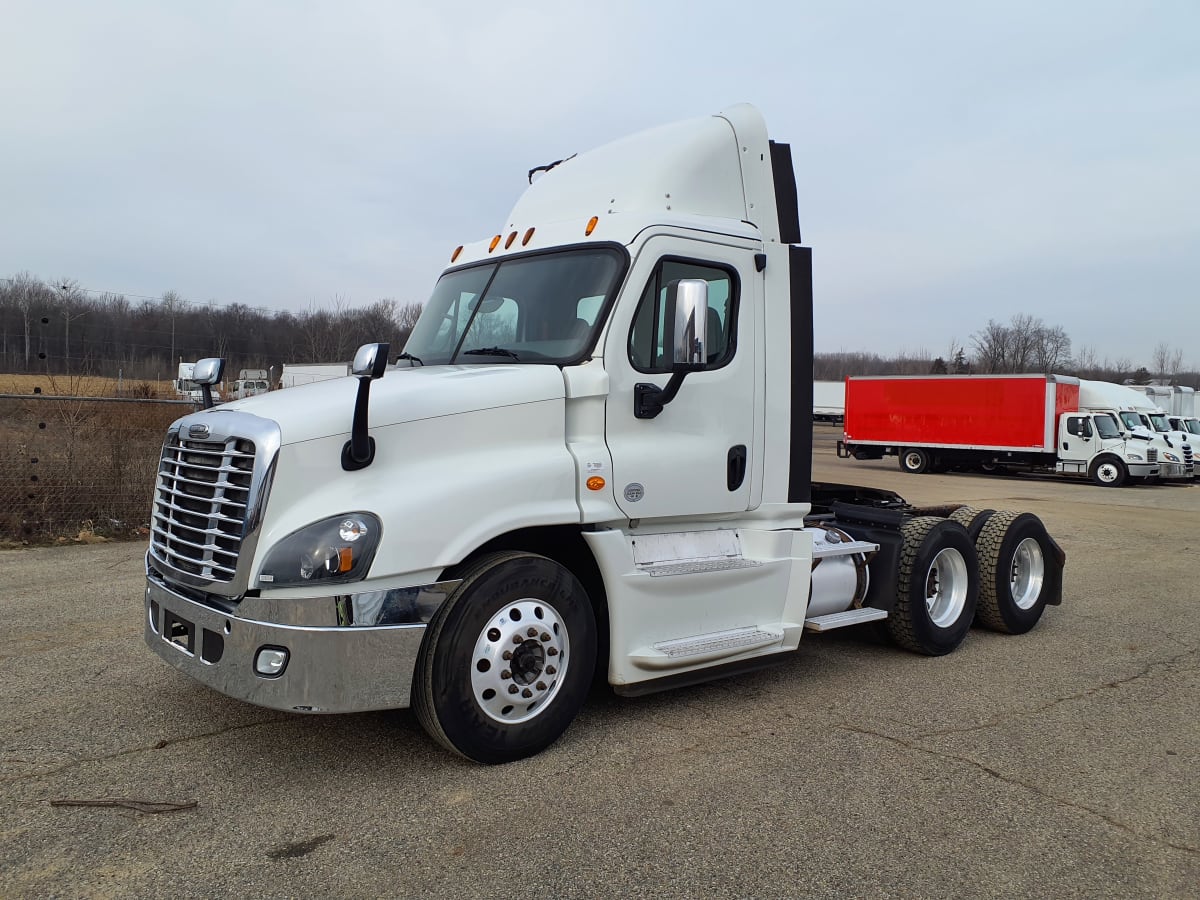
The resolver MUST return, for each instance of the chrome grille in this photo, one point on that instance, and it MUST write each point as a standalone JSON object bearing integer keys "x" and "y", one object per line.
{"x": 201, "y": 505}
{"x": 1151, "y": 454}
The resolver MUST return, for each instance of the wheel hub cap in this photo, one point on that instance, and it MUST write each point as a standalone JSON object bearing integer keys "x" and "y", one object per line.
{"x": 519, "y": 660}
{"x": 946, "y": 587}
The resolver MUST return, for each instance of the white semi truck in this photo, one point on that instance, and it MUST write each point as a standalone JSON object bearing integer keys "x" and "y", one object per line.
{"x": 829, "y": 401}
{"x": 186, "y": 388}
{"x": 594, "y": 460}
{"x": 1137, "y": 412}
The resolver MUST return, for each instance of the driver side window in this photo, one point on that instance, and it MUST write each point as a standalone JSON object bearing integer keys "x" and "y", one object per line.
{"x": 648, "y": 345}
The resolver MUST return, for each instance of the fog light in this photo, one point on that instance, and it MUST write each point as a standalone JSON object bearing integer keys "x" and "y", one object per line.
{"x": 271, "y": 661}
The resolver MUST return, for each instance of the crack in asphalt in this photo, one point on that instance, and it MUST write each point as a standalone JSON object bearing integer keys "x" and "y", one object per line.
{"x": 1144, "y": 672}
{"x": 157, "y": 745}
{"x": 1016, "y": 782}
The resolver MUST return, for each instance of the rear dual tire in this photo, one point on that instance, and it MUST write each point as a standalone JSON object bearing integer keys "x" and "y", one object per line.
{"x": 1019, "y": 572}
{"x": 937, "y": 586}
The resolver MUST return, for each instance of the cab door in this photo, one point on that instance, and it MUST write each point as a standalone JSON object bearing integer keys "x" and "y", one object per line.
{"x": 696, "y": 456}
{"x": 1076, "y": 443}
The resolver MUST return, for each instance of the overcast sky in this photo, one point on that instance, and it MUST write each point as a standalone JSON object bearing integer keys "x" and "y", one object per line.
{"x": 956, "y": 162}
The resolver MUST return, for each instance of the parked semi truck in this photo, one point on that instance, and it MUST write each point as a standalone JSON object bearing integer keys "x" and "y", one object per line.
{"x": 1140, "y": 416}
{"x": 186, "y": 388}
{"x": 295, "y": 374}
{"x": 250, "y": 383}
{"x": 829, "y": 401}
{"x": 594, "y": 459}
{"x": 990, "y": 423}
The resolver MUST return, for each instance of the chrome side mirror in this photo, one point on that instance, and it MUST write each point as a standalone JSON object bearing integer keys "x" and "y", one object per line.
{"x": 687, "y": 314}
{"x": 206, "y": 373}
{"x": 369, "y": 364}
{"x": 690, "y": 302}
{"x": 370, "y": 360}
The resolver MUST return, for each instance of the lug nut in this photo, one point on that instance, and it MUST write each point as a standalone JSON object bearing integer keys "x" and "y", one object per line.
{"x": 532, "y": 632}
{"x": 506, "y": 674}
{"x": 512, "y": 688}
{"x": 545, "y": 635}
{"x": 527, "y": 693}
{"x": 507, "y": 654}
{"x": 550, "y": 670}
{"x": 541, "y": 685}
{"x": 517, "y": 639}
{"x": 553, "y": 651}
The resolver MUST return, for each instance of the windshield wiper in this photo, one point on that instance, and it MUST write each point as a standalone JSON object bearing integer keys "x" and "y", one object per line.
{"x": 411, "y": 358}
{"x": 491, "y": 351}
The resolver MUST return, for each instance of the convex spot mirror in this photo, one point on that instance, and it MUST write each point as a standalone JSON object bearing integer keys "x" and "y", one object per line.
{"x": 208, "y": 371}
{"x": 488, "y": 306}
{"x": 369, "y": 361}
{"x": 688, "y": 297}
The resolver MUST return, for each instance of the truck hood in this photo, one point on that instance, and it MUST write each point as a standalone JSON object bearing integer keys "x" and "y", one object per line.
{"x": 326, "y": 408}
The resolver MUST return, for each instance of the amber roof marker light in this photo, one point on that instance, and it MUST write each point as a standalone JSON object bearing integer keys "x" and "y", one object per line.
{"x": 528, "y": 236}
{"x": 492, "y": 245}
{"x": 455, "y": 254}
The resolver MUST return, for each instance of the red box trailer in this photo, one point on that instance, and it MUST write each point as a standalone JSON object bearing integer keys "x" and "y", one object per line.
{"x": 1002, "y": 412}
{"x": 989, "y": 423}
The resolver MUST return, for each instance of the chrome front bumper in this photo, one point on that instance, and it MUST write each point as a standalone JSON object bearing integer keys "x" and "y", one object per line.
{"x": 330, "y": 668}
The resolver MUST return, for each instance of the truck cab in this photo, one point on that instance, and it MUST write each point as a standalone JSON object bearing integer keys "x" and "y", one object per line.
{"x": 593, "y": 456}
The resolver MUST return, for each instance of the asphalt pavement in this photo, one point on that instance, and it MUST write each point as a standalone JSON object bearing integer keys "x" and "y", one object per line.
{"x": 1059, "y": 763}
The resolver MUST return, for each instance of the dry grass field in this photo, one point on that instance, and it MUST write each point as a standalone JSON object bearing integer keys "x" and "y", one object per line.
{"x": 85, "y": 386}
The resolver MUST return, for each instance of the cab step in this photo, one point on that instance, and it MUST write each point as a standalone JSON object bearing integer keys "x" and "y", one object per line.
{"x": 690, "y": 553}
{"x": 844, "y": 619}
{"x": 704, "y": 647}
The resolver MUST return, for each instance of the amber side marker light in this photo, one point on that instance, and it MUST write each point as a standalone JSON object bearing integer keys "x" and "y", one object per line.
{"x": 591, "y": 225}
{"x": 528, "y": 236}
{"x": 492, "y": 245}
{"x": 457, "y": 251}
{"x": 509, "y": 241}
{"x": 595, "y": 483}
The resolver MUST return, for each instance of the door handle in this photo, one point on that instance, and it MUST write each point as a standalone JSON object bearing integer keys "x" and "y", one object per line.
{"x": 736, "y": 467}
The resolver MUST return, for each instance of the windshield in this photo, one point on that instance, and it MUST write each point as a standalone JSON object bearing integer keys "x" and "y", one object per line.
{"x": 1131, "y": 420}
{"x": 534, "y": 309}
{"x": 1160, "y": 422}
{"x": 1193, "y": 425}
{"x": 1106, "y": 427}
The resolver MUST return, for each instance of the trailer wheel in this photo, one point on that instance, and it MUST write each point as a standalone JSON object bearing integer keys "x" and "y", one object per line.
{"x": 914, "y": 460}
{"x": 971, "y": 519}
{"x": 1108, "y": 471}
{"x": 1017, "y": 572}
{"x": 507, "y": 661}
{"x": 937, "y": 586}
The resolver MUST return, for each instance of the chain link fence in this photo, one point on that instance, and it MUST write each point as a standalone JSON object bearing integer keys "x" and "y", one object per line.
{"x": 79, "y": 468}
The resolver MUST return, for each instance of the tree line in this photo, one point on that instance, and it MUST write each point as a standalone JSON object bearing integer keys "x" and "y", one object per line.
{"x": 60, "y": 328}
{"x": 1023, "y": 344}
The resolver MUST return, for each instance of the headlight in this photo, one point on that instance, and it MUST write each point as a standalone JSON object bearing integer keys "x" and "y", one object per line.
{"x": 333, "y": 550}
{"x": 1136, "y": 457}
{"x": 1170, "y": 457}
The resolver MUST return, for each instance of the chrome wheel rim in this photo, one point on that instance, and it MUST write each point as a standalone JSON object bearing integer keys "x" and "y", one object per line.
{"x": 520, "y": 657}
{"x": 1027, "y": 574}
{"x": 946, "y": 587}
{"x": 1107, "y": 473}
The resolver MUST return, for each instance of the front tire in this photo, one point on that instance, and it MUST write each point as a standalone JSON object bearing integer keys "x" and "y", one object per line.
{"x": 1017, "y": 572}
{"x": 1108, "y": 471}
{"x": 507, "y": 660}
{"x": 937, "y": 586}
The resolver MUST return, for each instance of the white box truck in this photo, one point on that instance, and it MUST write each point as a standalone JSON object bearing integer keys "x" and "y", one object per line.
{"x": 829, "y": 401}
{"x": 597, "y": 460}
{"x": 1138, "y": 412}
{"x": 295, "y": 374}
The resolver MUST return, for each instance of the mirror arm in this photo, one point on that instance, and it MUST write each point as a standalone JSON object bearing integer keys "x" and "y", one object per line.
{"x": 369, "y": 364}
{"x": 649, "y": 399}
